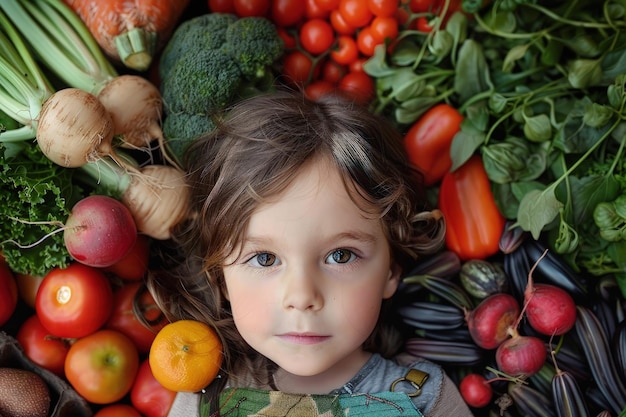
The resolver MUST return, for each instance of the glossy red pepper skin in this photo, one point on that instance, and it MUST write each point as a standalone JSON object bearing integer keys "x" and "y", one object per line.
{"x": 428, "y": 141}
{"x": 473, "y": 222}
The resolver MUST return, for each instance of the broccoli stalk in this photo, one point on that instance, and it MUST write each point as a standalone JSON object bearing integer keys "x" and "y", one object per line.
{"x": 210, "y": 62}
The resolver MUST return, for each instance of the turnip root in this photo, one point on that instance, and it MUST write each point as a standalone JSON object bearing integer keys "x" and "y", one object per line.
{"x": 521, "y": 356}
{"x": 158, "y": 199}
{"x": 99, "y": 231}
{"x": 74, "y": 128}
{"x": 135, "y": 106}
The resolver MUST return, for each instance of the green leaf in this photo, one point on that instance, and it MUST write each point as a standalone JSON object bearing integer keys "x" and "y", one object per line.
{"x": 514, "y": 54}
{"x": 465, "y": 143}
{"x": 537, "y": 210}
{"x": 472, "y": 72}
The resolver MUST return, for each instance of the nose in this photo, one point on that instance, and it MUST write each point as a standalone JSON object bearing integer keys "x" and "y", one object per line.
{"x": 302, "y": 290}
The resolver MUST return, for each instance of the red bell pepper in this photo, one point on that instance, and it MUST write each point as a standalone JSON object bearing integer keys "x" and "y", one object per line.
{"x": 428, "y": 141}
{"x": 473, "y": 222}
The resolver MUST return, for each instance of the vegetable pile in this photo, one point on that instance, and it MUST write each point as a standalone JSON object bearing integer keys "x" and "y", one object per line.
{"x": 514, "y": 111}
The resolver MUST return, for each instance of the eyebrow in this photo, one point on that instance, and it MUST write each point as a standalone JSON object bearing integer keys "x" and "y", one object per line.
{"x": 356, "y": 235}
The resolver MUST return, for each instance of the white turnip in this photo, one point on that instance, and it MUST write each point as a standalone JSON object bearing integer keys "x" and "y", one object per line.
{"x": 99, "y": 231}
{"x": 490, "y": 321}
{"x": 74, "y": 128}
{"x": 135, "y": 105}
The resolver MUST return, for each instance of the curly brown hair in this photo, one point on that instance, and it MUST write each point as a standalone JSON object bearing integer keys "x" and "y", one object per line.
{"x": 253, "y": 154}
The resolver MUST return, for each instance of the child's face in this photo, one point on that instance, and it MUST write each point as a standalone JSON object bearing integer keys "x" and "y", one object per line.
{"x": 307, "y": 289}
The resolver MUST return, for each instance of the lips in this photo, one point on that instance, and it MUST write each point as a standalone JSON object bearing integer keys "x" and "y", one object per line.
{"x": 303, "y": 338}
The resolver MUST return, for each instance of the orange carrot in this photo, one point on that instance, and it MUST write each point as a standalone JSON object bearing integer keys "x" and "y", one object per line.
{"x": 130, "y": 31}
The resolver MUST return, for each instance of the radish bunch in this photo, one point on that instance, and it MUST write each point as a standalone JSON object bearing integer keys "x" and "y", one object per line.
{"x": 494, "y": 323}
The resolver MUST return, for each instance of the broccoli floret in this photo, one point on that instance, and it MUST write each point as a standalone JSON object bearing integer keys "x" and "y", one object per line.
{"x": 181, "y": 128}
{"x": 207, "y": 30}
{"x": 210, "y": 62}
{"x": 253, "y": 44}
{"x": 202, "y": 82}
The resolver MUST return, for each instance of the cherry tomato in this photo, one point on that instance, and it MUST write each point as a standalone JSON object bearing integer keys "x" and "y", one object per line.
{"x": 340, "y": 25}
{"x": 423, "y": 6}
{"x": 41, "y": 347}
{"x": 384, "y": 28}
{"x": 346, "y": 51}
{"x": 75, "y": 301}
{"x": 297, "y": 68}
{"x": 245, "y": 8}
{"x": 134, "y": 265}
{"x": 118, "y": 410}
{"x": 318, "y": 88}
{"x": 357, "y": 66}
{"x": 355, "y": 12}
{"x": 148, "y": 396}
{"x": 102, "y": 366}
{"x": 27, "y": 287}
{"x": 287, "y": 37}
{"x": 313, "y": 11}
{"x": 332, "y": 71}
{"x": 316, "y": 36}
{"x": 358, "y": 85}
{"x": 383, "y": 8}
{"x": 124, "y": 319}
{"x": 287, "y": 12}
{"x": 366, "y": 42}
{"x": 8, "y": 292}
{"x": 424, "y": 25}
{"x": 327, "y": 4}
{"x": 221, "y": 6}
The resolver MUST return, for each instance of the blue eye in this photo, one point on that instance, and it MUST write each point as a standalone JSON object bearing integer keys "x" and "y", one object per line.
{"x": 264, "y": 259}
{"x": 341, "y": 256}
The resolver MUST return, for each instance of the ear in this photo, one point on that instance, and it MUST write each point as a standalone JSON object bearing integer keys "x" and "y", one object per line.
{"x": 393, "y": 280}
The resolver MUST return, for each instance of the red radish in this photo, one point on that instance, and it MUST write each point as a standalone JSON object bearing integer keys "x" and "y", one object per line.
{"x": 521, "y": 355}
{"x": 476, "y": 390}
{"x": 550, "y": 310}
{"x": 99, "y": 231}
{"x": 490, "y": 321}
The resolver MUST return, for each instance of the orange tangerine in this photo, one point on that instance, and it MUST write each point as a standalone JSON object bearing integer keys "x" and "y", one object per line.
{"x": 185, "y": 355}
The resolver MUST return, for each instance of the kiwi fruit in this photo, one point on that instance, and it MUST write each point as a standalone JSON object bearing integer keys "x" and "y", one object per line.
{"x": 23, "y": 394}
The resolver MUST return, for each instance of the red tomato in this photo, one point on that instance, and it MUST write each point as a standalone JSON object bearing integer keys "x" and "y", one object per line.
{"x": 134, "y": 265}
{"x": 357, "y": 66}
{"x": 102, "y": 366}
{"x": 366, "y": 41}
{"x": 245, "y": 8}
{"x": 358, "y": 85}
{"x": 318, "y": 88}
{"x": 124, "y": 320}
{"x": 355, "y": 12}
{"x": 314, "y": 11}
{"x": 339, "y": 24}
{"x": 221, "y": 6}
{"x": 384, "y": 28}
{"x": 473, "y": 222}
{"x": 384, "y": 8}
{"x": 75, "y": 301}
{"x": 118, "y": 410}
{"x": 327, "y": 4}
{"x": 297, "y": 68}
{"x": 423, "y": 6}
{"x": 316, "y": 36}
{"x": 332, "y": 71}
{"x": 45, "y": 350}
{"x": 8, "y": 292}
{"x": 428, "y": 141}
{"x": 287, "y": 12}
{"x": 346, "y": 51}
{"x": 424, "y": 25}
{"x": 27, "y": 287}
{"x": 148, "y": 396}
{"x": 288, "y": 38}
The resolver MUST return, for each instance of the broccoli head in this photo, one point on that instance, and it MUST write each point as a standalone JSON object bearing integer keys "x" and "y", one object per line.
{"x": 182, "y": 128}
{"x": 254, "y": 44}
{"x": 202, "y": 82}
{"x": 207, "y": 31}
